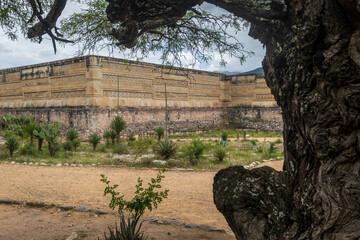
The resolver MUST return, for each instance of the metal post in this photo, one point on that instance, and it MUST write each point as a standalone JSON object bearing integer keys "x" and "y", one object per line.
{"x": 118, "y": 94}
{"x": 166, "y": 115}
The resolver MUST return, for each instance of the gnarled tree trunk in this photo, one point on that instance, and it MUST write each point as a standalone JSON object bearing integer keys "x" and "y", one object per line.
{"x": 312, "y": 66}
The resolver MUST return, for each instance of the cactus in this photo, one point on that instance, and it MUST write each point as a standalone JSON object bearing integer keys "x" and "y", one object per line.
{"x": 29, "y": 129}
{"x": 39, "y": 134}
{"x": 51, "y": 133}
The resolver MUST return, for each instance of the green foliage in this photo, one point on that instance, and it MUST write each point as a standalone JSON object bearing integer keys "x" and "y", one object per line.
{"x": 128, "y": 230}
{"x": 220, "y": 153}
{"x": 194, "y": 151}
{"x": 94, "y": 139}
{"x": 119, "y": 148}
{"x": 145, "y": 198}
{"x": 268, "y": 152}
{"x": 199, "y": 32}
{"x": 6, "y": 120}
{"x": 76, "y": 143}
{"x": 159, "y": 132}
{"x": 278, "y": 141}
{"x": 132, "y": 138}
{"x": 52, "y": 135}
{"x": 71, "y": 135}
{"x": 107, "y": 137}
{"x": 67, "y": 145}
{"x": 39, "y": 134}
{"x": 28, "y": 150}
{"x": 29, "y": 129}
{"x": 102, "y": 148}
{"x": 166, "y": 149}
{"x": 118, "y": 125}
{"x": 11, "y": 144}
{"x": 224, "y": 136}
{"x": 252, "y": 143}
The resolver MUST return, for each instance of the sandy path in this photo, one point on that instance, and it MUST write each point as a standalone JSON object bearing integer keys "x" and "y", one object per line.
{"x": 190, "y": 197}
{"x": 22, "y": 223}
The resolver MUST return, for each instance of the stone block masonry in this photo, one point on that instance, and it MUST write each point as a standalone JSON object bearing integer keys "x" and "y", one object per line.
{"x": 87, "y": 92}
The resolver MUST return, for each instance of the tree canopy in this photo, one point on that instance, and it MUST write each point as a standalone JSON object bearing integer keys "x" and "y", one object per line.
{"x": 98, "y": 25}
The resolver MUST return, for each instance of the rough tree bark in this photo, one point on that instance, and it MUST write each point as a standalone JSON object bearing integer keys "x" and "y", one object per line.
{"x": 312, "y": 66}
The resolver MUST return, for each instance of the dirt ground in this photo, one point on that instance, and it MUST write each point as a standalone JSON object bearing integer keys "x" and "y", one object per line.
{"x": 190, "y": 201}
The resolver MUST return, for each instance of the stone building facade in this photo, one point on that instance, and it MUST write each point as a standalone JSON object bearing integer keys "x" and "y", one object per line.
{"x": 87, "y": 92}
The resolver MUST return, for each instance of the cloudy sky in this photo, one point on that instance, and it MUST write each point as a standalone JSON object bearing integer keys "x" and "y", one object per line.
{"x": 23, "y": 52}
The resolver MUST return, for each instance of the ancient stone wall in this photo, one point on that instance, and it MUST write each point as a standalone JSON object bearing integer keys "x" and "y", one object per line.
{"x": 110, "y": 82}
{"x": 87, "y": 92}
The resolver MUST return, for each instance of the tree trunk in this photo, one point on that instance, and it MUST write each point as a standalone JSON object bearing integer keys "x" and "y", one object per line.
{"x": 312, "y": 66}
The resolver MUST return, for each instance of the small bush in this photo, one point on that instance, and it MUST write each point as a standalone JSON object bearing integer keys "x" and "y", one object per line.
{"x": 120, "y": 148}
{"x": 67, "y": 145}
{"x": 76, "y": 143}
{"x": 166, "y": 149}
{"x": 159, "y": 132}
{"x": 132, "y": 138}
{"x": 102, "y": 148}
{"x": 220, "y": 153}
{"x": 278, "y": 141}
{"x": 71, "y": 135}
{"x": 128, "y": 230}
{"x": 118, "y": 124}
{"x": 146, "y": 162}
{"x": 194, "y": 151}
{"x": 94, "y": 139}
{"x": 28, "y": 150}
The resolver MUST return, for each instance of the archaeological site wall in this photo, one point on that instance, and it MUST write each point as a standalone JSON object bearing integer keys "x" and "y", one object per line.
{"x": 87, "y": 92}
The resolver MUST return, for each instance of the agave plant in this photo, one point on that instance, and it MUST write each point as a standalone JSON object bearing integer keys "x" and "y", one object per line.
{"x": 128, "y": 230}
{"x": 220, "y": 153}
{"x": 118, "y": 125}
{"x": 76, "y": 143}
{"x": 11, "y": 144}
{"x": 67, "y": 146}
{"x": 94, "y": 139}
{"x": 166, "y": 148}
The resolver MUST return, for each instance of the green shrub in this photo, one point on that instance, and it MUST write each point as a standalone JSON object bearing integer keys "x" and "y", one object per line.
{"x": 28, "y": 150}
{"x": 107, "y": 137}
{"x": 159, "y": 132}
{"x": 252, "y": 143}
{"x": 278, "y": 141}
{"x": 166, "y": 149}
{"x": 145, "y": 198}
{"x": 94, "y": 139}
{"x": 76, "y": 143}
{"x": 194, "y": 151}
{"x": 102, "y": 148}
{"x": 67, "y": 145}
{"x": 120, "y": 148}
{"x": 220, "y": 153}
{"x": 11, "y": 144}
{"x": 71, "y": 135}
{"x": 118, "y": 125}
{"x": 132, "y": 138}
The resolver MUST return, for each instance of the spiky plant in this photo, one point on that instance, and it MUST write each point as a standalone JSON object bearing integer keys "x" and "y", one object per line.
{"x": 159, "y": 132}
{"x": 118, "y": 125}
{"x": 71, "y": 135}
{"x": 129, "y": 229}
{"x": 220, "y": 153}
{"x": 107, "y": 136}
{"x": 12, "y": 144}
{"x": 76, "y": 143}
{"x": 67, "y": 145}
{"x": 94, "y": 139}
{"x": 29, "y": 129}
{"x": 166, "y": 149}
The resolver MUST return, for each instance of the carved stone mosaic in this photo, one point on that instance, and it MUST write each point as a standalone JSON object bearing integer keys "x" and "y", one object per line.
{"x": 69, "y": 93}
{"x": 204, "y": 86}
{"x": 128, "y": 94}
{"x": 204, "y": 97}
{"x": 172, "y": 95}
{"x": 127, "y": 80}
{"x": 78, "y": 78}
{"x": 36, "y": 95}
